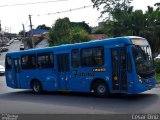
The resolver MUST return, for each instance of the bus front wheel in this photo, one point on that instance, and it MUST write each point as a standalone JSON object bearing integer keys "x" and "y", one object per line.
{"x": 37, "y": 87}
{"x": 101, "y": 89}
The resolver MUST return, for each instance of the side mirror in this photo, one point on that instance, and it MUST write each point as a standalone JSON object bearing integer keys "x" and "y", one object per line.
{"x": 139, "y": 59}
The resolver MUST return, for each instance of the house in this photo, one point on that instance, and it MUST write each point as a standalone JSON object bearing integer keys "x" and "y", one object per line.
{"x": 98, "y": 36}
{"x": 37, "y": 34}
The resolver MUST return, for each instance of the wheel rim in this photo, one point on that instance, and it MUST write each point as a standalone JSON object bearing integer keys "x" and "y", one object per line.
{"x": 36, "y": 87}
{"x": 101, "y": 89}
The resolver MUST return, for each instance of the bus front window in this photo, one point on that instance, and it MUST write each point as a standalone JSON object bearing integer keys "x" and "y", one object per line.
{"x": 143, "y": 61}
{"x": 144, "y": 45}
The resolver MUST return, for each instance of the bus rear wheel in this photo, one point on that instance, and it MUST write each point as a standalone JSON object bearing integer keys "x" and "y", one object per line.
{"x": 101, "y": 89}
{"x": 37, "y": 87}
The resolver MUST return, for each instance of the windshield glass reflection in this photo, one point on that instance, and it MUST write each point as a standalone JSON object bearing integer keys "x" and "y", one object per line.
{"x": 143, "y": 59}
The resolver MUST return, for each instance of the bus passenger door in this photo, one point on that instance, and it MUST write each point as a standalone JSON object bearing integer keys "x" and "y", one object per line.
{"x": 63, "y": 70}
{"x": 119, "y": 72}
{"x": 16, "y": 70}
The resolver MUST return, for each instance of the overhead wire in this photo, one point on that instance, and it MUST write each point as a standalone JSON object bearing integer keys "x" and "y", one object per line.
{"x": 31, "y": 3}
{"x": 58, "y": 12}
{"x": 69, "y": 10}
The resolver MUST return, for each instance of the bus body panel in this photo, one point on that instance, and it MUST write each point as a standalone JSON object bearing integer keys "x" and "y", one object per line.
{"x": 12, "y": 75}
{"x": 130, "y": 74}
{"x": 63, "y": 76}
{"x": 83, "y": 77}
{"x": 138, "y": 87}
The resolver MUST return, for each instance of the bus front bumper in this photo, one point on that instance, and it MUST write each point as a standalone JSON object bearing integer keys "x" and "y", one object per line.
{"x": 146, "y": 84}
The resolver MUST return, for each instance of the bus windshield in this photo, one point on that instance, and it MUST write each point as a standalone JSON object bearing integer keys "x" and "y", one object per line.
{"x": 144, "y": 45}
{"x": 143, "y": 57}
{"x": 143, "y": 61}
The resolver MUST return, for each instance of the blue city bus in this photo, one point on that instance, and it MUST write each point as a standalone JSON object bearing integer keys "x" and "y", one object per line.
{"x": 112, "y": 65}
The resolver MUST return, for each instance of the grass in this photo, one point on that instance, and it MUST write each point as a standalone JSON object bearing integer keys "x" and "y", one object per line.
{"x": 158, "y": 77}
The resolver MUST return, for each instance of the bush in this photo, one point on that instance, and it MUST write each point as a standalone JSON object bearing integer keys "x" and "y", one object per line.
{"x": 28, "y": 42}
{"x": 63, "y": 32}
{"x": 157, "y": 66}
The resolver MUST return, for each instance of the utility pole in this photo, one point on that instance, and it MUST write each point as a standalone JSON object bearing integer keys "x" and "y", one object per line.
{"x": 0, "y": 26}
{"x": 124, "y": 6}
{"x": 0, "y": 35}
{"x": 24, "y": 32}
{"x": 31, "y": 30}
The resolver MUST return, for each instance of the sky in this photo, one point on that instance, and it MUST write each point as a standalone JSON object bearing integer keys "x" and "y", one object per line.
{"x": 13, "y": 13}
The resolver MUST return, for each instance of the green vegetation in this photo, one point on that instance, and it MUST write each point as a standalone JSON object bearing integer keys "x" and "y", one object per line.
{"x": 29, "y": 42}
{"x": 157, "y": 67}
{"x": 43, "y": 26}
{"x": 66, "y": 32}
{"x": 158, "y": 77}
{"x": 121, "y": 20}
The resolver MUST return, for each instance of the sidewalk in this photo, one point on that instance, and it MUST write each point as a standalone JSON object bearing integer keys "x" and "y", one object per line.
{"x": 158, "y": 84}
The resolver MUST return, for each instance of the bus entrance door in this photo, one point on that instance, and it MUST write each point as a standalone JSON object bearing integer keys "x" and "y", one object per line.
{"x": 17, "y": 72}
{"x": 63, "y": 70}
{"x": 119, "y": 72}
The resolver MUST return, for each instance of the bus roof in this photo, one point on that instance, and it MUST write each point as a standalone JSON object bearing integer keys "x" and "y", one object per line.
{"x": 108, "y": 41}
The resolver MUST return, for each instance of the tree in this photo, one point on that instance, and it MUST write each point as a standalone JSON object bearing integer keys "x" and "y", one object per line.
{"x": 152, "y": 28}
{"x": 64, "y": 32}
{"x": 110, "y": 5}
{"x": 78, "y": 34}
{"x": 83, "y": 25}
{"x": 21, "y": 33}
{"x": 137, "y": 23}
{"x": 120, "y": 24}
{"x": 43, "y": 27}
{"x": 59, "y": 31}
{"x": 157, "y": 4}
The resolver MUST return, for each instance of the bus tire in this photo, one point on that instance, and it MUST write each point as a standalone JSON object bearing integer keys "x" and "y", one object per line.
{"x": 101, "y": 89}
{"x": 37, "y": 87}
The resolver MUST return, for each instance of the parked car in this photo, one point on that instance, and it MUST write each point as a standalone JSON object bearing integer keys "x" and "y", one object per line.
{"x": 22, "y": 47}
{"x": 7, "y": 44}
{"x": 4, "y": 49}
{"x": 2, "y": 70}
{"x": 157, "y": 58}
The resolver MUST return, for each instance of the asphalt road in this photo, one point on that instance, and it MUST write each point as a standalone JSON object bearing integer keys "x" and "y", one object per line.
{"x": 24, "y": 101}
{"x": 13, "y": 47}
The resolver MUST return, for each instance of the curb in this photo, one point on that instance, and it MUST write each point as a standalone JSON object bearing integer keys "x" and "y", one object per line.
{"x": 158, "y": 84}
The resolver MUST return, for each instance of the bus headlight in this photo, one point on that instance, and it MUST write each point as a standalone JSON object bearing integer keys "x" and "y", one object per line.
{"x": 139, "y": 78}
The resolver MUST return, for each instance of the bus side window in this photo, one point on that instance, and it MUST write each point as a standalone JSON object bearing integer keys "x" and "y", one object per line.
{"x": 92, "y": 56}
{"x": 8, "y": 63}
{"x": 98, "y": 56}
{"x": 86, "y": 57}
{"x": 75, "y": 58}
{"x": 28, "y": 61}
{"x": 45, "y": 60}
{"x": 129, "y": 64}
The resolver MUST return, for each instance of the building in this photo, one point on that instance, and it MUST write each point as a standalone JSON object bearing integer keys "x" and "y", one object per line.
{"x": 98, "y": 36}
{"x": 37, "y": 33}
{"x": 3, "y": 39}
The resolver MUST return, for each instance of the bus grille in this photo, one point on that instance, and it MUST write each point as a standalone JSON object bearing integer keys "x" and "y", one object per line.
{"x": 146, "y": 75}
